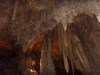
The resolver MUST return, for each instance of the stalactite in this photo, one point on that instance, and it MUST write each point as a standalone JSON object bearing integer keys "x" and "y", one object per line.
{"x": 62, "y": 39}
{"x": 15, "y": 10}
{"x": 43, "y": 60}
{"x": 51, "y": 66}
{"x": 66, "y": 64}
{"x": 46, "y": 64}
{"x": 59, "y": 37}
{"x": 70, "y": 49}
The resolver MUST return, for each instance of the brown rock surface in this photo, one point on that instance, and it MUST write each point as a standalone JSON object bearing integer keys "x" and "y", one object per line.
{"x": 25, "y": 30}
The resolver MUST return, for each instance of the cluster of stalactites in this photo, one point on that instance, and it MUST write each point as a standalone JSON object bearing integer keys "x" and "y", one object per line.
{"x": 67, "y": 11}
{"x": 46, "y": 61}
{"x": 66, "y": 39}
